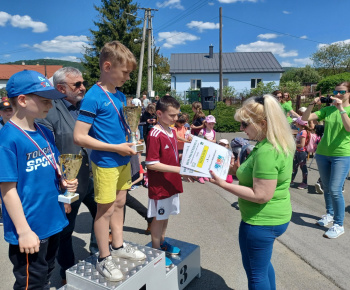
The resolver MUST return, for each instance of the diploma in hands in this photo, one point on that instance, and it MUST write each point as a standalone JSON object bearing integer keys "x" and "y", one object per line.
{"x": 200, "y": 156}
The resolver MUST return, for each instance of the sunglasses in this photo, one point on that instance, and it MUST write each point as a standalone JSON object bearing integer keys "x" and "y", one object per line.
{"x": 78, "y": 84}
{"x": 244, "y": 125}
{"x": 339, "y": 92}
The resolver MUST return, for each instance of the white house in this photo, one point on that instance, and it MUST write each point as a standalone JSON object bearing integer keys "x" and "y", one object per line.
{"x": 242, "y": 70}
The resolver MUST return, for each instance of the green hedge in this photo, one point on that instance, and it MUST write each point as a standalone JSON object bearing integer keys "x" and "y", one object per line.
{"x": 327, "y": 84}
{"x": 223, "y": 114}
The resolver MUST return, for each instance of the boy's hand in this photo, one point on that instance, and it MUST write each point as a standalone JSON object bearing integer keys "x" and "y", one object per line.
{"x": 70, "y": 185}
{"x": 125, "y": 149}
{"x": 28, "y": 242}
{"x": 67, "y": 207}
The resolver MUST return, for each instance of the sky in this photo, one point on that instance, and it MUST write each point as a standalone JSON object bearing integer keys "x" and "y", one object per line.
{"x": 291, "y": 29}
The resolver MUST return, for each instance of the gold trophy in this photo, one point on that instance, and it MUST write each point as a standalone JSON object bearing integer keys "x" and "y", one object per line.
{"x": 132, "y": 116}
{"x": 70, "y": 165}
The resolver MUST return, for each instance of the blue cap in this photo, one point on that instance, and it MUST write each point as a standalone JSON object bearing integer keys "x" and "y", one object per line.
{"x": 31, "y": 82}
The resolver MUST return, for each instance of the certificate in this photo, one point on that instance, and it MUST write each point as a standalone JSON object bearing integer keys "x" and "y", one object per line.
{"x": 187, "y": 171}
{"x": 203, "y": 156}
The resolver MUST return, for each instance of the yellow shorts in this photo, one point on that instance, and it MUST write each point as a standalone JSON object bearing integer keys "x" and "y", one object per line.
{"x": 108, "y": 180}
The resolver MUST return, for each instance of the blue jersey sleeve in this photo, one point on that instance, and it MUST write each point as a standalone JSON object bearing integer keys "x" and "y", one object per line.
{"x": 88, "y": 109}
{"x": 8, "y": 168}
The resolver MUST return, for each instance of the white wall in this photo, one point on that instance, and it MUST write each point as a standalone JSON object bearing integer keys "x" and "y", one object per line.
{"x": 3, "y": 83}
{"x": 240, "y": 81}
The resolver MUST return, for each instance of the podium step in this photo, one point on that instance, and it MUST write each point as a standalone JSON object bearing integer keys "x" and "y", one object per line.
{"x": 148, "y": 274}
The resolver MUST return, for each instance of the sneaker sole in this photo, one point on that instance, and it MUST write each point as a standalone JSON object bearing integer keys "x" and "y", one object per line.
{"x": 108, "y": 278}
{"x": 324, "y": 224}
{"x": 333, "y": 237}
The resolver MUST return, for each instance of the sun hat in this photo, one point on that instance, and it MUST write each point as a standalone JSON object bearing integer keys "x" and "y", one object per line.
{"x": 31, "y": 82}
{"x": 223, "y": 141}
{"x": 210, "y": 119}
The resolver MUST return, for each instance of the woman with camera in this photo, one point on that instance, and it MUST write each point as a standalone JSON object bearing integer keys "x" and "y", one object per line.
{"x": 263, "y": 190}
{"x": 333, "y": 154}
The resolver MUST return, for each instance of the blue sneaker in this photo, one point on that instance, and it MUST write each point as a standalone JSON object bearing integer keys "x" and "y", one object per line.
{"x": 166, "y": 247}
{"x": 168, "y": 262}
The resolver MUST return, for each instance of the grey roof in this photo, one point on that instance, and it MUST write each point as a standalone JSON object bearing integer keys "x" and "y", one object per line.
{"x": 234, "y": 62}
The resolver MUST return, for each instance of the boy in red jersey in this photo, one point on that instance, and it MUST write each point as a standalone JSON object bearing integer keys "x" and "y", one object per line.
{"x": 164, "y": 177}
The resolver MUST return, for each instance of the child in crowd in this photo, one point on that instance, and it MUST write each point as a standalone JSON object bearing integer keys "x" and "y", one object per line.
{"x": 300, "y": 155}
{"x": 101, "y": 126}
{"x": 208, "y": 131}
{"x": 180, "y": 130}
{"x": 149, "y": 119}
{"x": 198, "y": 118}
{"x": 224, "y": 143}
{"x": 30, "y": 180}
{"x": 164, "y": 180}
{"x": 187, "y": 117}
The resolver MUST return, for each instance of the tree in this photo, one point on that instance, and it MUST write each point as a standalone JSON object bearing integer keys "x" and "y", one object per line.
{"x": 332, "y": 59}
{"x": 228, "y": 92}
{"x": 293, "y": 88}
{"x": 116, "y": 23}
{"x": 302, "y": 75}
{"x": 263, "y": 89}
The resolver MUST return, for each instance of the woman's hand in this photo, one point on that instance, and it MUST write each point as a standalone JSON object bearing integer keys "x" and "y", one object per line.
{"x": 318, "y": 100}
{"x": 215, "y": 179}
{"x": 338, "y": 103}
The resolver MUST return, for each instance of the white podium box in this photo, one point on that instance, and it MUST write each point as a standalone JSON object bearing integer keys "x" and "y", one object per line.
{"x": 148, "y": 274}
{"x": 186, "y": 267}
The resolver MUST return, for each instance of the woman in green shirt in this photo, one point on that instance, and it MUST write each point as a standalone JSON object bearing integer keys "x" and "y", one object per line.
{"x": 333, "y": 155}
{"x": 286, "y": 104}
{"x": 263, "y": 189}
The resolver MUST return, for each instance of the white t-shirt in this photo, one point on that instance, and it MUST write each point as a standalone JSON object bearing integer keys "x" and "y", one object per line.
{"x": 136, "y": 102}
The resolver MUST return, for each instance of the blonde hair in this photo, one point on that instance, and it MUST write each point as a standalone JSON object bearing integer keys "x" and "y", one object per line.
{"x": 118, "y": 54}
{"x": 278, "y": 131}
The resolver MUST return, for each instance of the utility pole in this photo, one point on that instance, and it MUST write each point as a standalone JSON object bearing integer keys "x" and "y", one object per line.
{"x": 149, "y": 51}
{"x": 139, "y": 77}
{"x": 220, "y": 55}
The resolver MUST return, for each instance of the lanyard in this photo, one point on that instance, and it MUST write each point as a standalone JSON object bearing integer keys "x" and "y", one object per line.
{"x": 166, "y": 133}
{"x": 53, "y": 162}
{"x": 122, "y": 119}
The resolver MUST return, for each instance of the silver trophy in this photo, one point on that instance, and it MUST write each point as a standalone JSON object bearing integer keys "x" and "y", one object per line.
{"x": 132, "y": 116}
{"x": 70, "y": 165}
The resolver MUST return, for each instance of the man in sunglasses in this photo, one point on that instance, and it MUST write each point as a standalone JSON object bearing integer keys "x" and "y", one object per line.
{"x": 61, "y": 121}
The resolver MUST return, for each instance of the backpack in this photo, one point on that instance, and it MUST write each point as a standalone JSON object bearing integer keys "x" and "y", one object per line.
{"x": 311, "y": 142}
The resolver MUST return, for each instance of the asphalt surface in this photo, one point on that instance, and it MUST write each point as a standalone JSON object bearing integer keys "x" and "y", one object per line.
{"x": 302, "y": 257}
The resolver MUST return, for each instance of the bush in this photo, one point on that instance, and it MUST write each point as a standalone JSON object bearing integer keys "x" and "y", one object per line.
{"x": 223, "y": 114}
{"x": 327, "y": 84}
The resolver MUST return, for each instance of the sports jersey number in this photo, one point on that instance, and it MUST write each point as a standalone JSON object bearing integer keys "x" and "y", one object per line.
{"x": 183, "y": 272}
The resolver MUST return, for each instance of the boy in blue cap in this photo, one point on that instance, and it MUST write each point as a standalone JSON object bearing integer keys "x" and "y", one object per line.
{"x": 29, "y": 182}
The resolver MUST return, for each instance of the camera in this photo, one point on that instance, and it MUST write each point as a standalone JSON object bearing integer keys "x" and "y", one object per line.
{"x": 326, "y": 100}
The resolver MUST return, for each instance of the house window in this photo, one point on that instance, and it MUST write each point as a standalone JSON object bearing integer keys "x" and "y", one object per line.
{"x": 254, "y": 83}
{"x": 196, "y": 84}
{"x": 225, "y": 82}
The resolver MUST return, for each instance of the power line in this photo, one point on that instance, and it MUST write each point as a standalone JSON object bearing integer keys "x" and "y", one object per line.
{"x": 279, "y": 32}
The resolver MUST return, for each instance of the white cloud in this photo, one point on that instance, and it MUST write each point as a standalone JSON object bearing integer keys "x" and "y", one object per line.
{"x": 286, "y": 12}
{"x": 27, "y": 22}
{"x": 170, "y": 4}
{"x": 22, "y": 22}
{"x": 303, "y": 61}
{"x": 286, "y": 64}
{"x": 234, "y": 1}
{"x": 201, "y": 26}
{"x": 346, "y": 41}
{"x": 68, "y": 57}
{"x": 4, "y": 17}
{"x": 6, "y": 55}
{"x": 267, "y": 36}
{"x": 303, "y": 37}
{"x": 260, "y": 46}
{"x": 175, "y": 38}
{"x": 64, "y": 44}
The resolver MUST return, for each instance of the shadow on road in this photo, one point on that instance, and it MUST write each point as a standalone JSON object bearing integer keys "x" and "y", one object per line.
{"x": 208, "y": 281}
{"x": 299, "y": 219}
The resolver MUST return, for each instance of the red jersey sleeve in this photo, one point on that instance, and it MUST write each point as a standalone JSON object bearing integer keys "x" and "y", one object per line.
{"x": 153, "y": 146}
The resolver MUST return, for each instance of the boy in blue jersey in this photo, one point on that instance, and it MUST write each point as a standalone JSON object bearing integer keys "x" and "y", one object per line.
{"x": 29, "y": 182}
{"x": 101, "y": 126}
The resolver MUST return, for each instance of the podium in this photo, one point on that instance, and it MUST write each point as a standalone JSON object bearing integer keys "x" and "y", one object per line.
{"x": 148, "y": 274}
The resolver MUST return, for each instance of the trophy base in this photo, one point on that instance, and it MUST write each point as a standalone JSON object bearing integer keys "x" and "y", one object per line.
{"x": 68, "y": 199}
{"x": 138, "y": 147}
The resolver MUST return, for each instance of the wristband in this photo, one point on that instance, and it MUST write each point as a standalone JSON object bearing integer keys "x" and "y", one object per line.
{"x": 342, "y": 112}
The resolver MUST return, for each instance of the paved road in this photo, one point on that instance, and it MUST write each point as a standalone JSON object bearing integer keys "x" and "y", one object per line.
{"x": 209, "y": 217}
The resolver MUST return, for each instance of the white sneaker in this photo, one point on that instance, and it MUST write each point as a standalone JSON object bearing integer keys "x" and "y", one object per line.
{"x": 108, "y": 269}
{"x": 325, "y": 220}
{"x": 128, "y": 252}
{"x": 318, "y": 188}
{"x": 334, "y": 232}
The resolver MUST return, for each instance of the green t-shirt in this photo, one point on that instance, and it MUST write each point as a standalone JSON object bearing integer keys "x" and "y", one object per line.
{"x": 265, "y": 162}
{"x": 335, "y": 140}
{"x": 287, "y": 107}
